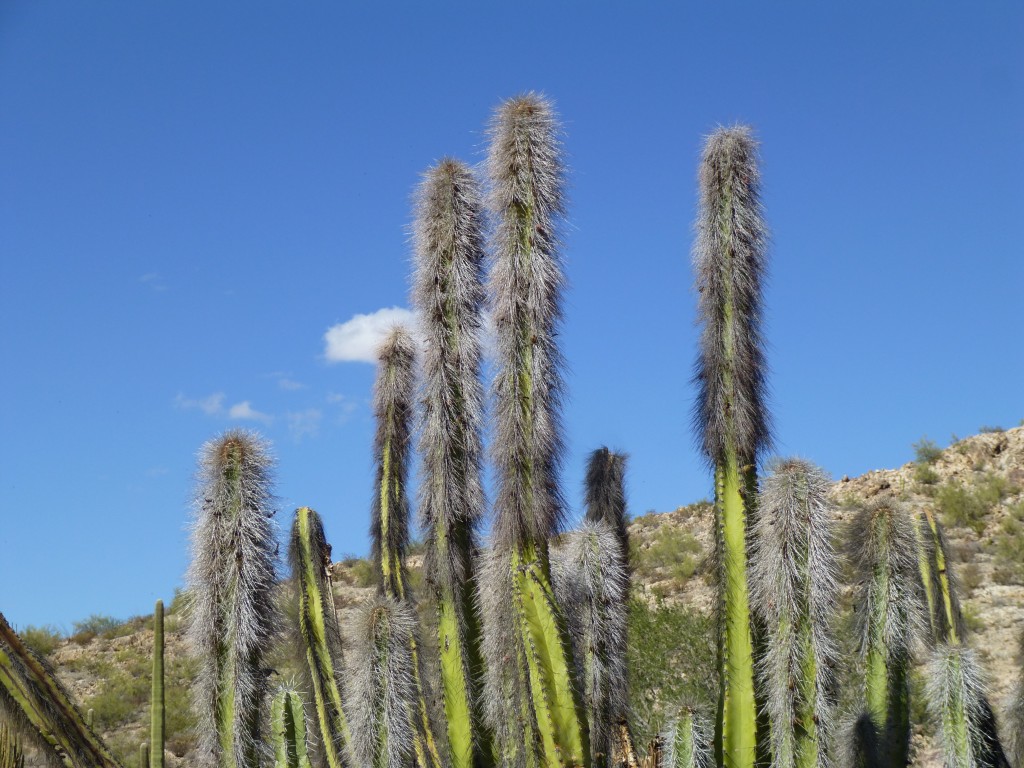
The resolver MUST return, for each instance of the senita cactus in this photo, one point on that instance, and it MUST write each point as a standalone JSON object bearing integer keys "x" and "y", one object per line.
{"x": 11, "y": 755}
{"x": 795, "y": 590}
{"x": 448, "y": 294}
{"x": 686, "y": 742}
{"x": 382, "y": 696}
{"x": 534, "y": 705}
{"x": 288, "y": 730}
{"x": 35, "y": 703}
{"x": 393, "y": 408}
{"x": 731, "y": 415}
{"x": 591, "y": 581}
{"x": 889, "y": 612}
{"x": 156, "y": 699}
{"x": 310, "y": 556}
{"x": 232, "y": 579}
{"x": 144, "y": 755}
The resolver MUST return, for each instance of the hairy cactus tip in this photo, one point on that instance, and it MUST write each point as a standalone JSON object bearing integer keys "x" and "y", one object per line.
{"x": 605, "y": 492}
{"x": 527, "y": 198}
{"x": 393, "y": 411}
{"x": 231, "y": 581}
{"x": 448, "y": 293}
{"x": 730, "y": 258}
{"x": 382, "y": 692}
{"x": 794, "y": 580}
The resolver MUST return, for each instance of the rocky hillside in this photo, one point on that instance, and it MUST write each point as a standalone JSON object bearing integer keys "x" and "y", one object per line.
{"x": 975, "y": 486}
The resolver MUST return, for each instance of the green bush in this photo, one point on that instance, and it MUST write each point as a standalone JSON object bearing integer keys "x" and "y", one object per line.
{"x": 925, "y": 475}
{"x": 986, "y": 429}
{"x": 358, "y": 571}
{"x": 1009, "y": 547}
{"x": 97, "y": 624}
{"x": 670, "y": 553}
{"x": 671, "y": 661}
{"x": 967, "y": 507}
{"x": 121, "y": 696}
{"x": 43, "y": 640}
{"x": 926, "y": 451}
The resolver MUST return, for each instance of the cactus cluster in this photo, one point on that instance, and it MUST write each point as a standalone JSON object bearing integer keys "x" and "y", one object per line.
{"x": 521, "y": 661}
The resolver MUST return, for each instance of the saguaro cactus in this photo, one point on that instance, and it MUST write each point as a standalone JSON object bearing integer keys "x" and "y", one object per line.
{"x": 288, "y": 730}
{"x": 156, "y": 699}
{"x": 34, "y": 702}
{"x": 232, "y": 580}
{"x": 731, "y": 415}
{"x": 393, "y": 407}
{"x": 310, "y": 555}
{"x": 1015, "y": 715}
{"x": 591, "y": 581}
{"x": 795, "y": 591}
{"x": 535, "y": 708}
{"x": 448, "y": 292}
{"x": 889, "y": 612}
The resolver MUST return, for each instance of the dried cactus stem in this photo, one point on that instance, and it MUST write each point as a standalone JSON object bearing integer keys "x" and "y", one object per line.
{"x": 156, "y": 714}
{"x": 310, "y": 555}
{"x": 34, "y": 701}
{"x": 11, "y": 755}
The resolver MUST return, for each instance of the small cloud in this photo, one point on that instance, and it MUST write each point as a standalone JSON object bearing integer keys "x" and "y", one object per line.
{"x": 290, "y": 385}
{"x": 157, "y": 471}
{"x": 356, "y": 340}
{"x": 305, "y": 423}
{"x": 154, "y": 280}
{"x": 346, "y": 406}
{"x": 245, "y": 412}
{"x": 211, "y": 405}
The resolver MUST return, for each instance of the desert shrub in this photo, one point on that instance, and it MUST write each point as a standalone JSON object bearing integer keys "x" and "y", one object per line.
{"x": 967, "y": 507}
{"x": 925, "y": 475}
{"x": 43, "y": 640}
{"x": 120, "y": 696}
{"x": 179, "y": 729}
{"x": 1008, "y": 544}
{"x": 926, "y": 451}
{"x": 973, "y": 619}
{"x": 357, "y": 571}
{"x": 970, "y": 577}
{"x": 671, "y": 661}
{"x": 97, "y": 625}
{"x": 986, "y": 429}
{"x": 670, "y": 553}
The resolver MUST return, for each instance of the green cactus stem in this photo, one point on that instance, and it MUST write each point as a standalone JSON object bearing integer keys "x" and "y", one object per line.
{"x": 889, "y": 609}
{"x": 686, "y": 742}
{"x": 288, "y": 730}
{"x": 448, "y": 294}
{"x": 233, "y": 614}
{"x": 156, "y": 709}
{"x": 795, "y": 590}
{"x": 144, "y": 755}
{"x": 11, "y": 755}
{"x": 35, "y": 703}
{"x": 731, "y": 415}
{"x": 310, "y": 556}
{"x": 534, "y": 703}
{"x": 393, "y": 408}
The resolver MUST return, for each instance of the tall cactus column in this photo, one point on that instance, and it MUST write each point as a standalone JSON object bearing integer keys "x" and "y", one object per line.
{"x": 731, "y": 414}
{"x": 384, "y": 620}
{"x": 529, "y": 658}
{"x": 232, "y": 580}
{"x": 449, "y": 294}
{"x": 309, "y": 555}
{"x": 156, "y": 709}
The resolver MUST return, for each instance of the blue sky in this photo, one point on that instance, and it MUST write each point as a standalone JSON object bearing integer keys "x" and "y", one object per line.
{"x": 192, "y": 194}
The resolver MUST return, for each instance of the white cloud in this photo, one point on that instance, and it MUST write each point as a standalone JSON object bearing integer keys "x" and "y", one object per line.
{"x": 211, "y": 405}
{"x": 304, "y": 423}
{"x": 356, "y": 340}
{"x": 245, "y": 412}
{"x": 290, "y": 385}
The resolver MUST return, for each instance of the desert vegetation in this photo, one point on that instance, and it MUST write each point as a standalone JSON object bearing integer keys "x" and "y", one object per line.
{"x": 833, "y": 629}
